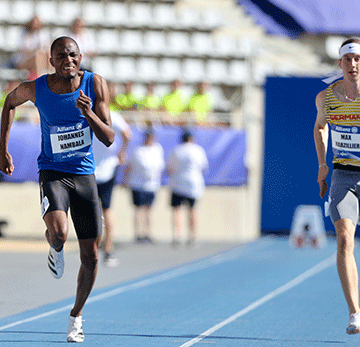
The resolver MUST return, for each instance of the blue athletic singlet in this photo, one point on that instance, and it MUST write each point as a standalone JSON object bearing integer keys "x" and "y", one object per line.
{"x": 66, "y": 136}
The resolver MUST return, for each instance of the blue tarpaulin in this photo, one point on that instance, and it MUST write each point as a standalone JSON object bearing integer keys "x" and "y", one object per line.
{"x": 290, "y": 160}
{"x": 225, "y": 149}
{"x": 296, "y": 17}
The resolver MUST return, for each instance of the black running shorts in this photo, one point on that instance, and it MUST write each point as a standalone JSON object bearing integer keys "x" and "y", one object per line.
{"x": 142, "y": 198}
{"x": 178, "y": 199}
{"x": 61, "y": 191}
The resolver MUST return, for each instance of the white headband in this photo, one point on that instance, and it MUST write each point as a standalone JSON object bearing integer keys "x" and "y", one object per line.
{"x": 349, "y": 48}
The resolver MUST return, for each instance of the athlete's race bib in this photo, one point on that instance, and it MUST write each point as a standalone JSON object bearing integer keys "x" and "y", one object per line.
{"x": 70, "y": 141}
{"x": 345, "y": 141}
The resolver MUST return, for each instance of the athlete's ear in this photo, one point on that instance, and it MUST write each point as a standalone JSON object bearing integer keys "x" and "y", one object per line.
{"x": 51, "y": 62}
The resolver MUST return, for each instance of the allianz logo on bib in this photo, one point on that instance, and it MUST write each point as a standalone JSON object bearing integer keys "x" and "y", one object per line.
{"x": 353, "y": 130}
{"x": 343, "y": 129}
{"x": 64, "y": 128}
{"x": 77, "y": 126}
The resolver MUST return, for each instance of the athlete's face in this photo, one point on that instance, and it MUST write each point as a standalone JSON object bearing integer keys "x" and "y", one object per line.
{"x": 66, "y": 59}
{"x": 350, "y": 64}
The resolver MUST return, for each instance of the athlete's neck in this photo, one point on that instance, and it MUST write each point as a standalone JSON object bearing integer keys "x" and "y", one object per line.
{"x": 61, "y": 85}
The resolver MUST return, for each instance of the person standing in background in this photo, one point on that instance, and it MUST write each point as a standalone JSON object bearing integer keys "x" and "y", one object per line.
{"x": 201, "y": 104}
{"x": 151, "y": 101}
{"x": 143, "y": 176}
{"x": 78, "y": 31}
{"x": 107, "y": 160}
{"x": 186, "y": 165}
{"x": 32, "y": 54}
{"x": 128, "y": 101}
{"x": 173, "y": 104}
{"x": 113, "y": 92}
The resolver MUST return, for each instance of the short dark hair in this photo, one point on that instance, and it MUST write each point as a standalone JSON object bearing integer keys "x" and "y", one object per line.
{"x": 186, "y": 136}
{"x": 351, "y": 40}
{"x": 60, "y": 39}
{"x": 149, "y": 132}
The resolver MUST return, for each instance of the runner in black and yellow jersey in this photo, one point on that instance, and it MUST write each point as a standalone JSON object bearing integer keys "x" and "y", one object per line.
{"x": 338, "y": 110}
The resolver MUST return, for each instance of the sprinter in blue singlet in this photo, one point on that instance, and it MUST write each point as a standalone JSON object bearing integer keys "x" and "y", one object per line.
{"x": 73, "y": 106}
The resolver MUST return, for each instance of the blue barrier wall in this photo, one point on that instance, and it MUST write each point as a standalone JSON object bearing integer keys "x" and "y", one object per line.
{"x": 225, "y": 149}
{"x": 290, "y": 161}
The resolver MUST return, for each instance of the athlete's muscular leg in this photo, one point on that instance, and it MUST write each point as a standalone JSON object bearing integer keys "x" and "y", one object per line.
{"x": 346, "y": 264}
{"x": 57, "y": 228}
{"x": 89, "y": 255}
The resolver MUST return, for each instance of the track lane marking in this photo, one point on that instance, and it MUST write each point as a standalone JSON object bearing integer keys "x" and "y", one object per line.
{"x": 162, "y": 277}
{"x": 280, "y": 290}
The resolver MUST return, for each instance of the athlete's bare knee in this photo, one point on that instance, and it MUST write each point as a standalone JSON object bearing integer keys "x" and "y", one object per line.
{"x": 345, "y": 233}
{"x": 56, "y": 239}
{"x": 345, "y": 243}
{"x": 57, "y": 228}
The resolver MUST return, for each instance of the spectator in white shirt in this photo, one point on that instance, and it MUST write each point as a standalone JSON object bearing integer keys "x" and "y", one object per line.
{"x": 186, "y": 166}
{"x": 107, "y": 160}
{"x": 143, "y": 177}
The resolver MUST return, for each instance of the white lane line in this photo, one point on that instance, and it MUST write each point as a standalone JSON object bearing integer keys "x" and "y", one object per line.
{"x": 284, "y": 288}
{"x": 184, "y": 270}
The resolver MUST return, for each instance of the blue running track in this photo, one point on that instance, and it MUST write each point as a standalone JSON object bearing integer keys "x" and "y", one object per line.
{"x": 261, "y": 294}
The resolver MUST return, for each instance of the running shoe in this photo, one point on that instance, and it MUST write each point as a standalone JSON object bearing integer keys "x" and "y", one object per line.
{"x": 175, "y": 243}
{"x": 56, "y": 262}
{"x": 354, "y": 324}
{"x": 148, "y": 239}
{"x": 191, "y": 243}
{"x": 75, "y": 331}
{"x": 139, "y": 239}
{"x": 110, "y": 260}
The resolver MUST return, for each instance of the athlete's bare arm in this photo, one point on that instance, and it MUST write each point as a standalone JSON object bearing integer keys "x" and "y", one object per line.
{"x": 24, "y": 92}
{"x": 99, "y": 120}
{"x": 321, "y": 136}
